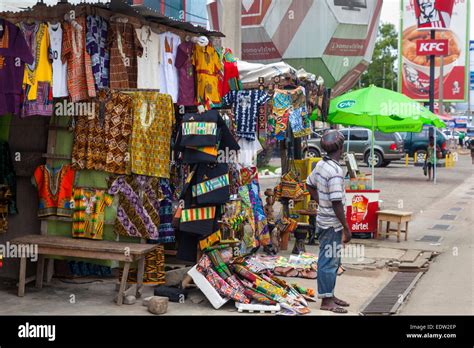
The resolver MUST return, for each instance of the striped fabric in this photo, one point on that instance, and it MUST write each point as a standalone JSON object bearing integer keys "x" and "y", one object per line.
{"x": 210, "y": 185}
{"x": 198, "y": 214}
{"x": 199, "y": 128}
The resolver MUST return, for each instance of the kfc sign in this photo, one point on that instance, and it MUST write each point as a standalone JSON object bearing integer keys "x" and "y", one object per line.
{"x": 432, "y": 47}
{"x": 433, "y": 14}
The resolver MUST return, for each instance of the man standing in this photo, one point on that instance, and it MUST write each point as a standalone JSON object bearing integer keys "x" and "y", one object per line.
{"x": 326, "y": 186}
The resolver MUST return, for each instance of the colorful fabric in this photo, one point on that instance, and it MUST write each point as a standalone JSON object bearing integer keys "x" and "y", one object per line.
{"x": 184, "y": 64}
{"x": 210, "y": 185}
{"x": 210, "y": 241}
{"x": 81, "y": 85}
{"x": 54, "y": 190}
{"x": 5, "y": 201}
{"x": 259, "y": 297}
{"x": 43, "y": 105}
{"x": 198, "y": 214}
{"x": 154, "y": 268}
{"x": 96, "y": 44}
{"x": 124, "y": 50}
{"x": 41, "y": 70}
{"x": 151, "y": 136}
{"x": 230, "y": 78}
{"x": 167, "y": 234}
{"x": 246, "y": 106}
{"x": 101, "y": 140}
{"x": 138, "y": 213}
{"x": 262, "y": 230}
{"x": 207, "y": 64}
{"x": 199, "y": 128}
{"x": 219, "y": 264}
{"x": 13, "y": 49}
{"x": 89, "y": 213}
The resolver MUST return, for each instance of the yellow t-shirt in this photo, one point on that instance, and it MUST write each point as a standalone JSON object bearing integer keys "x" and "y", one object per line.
{"x": 41, "y": 70}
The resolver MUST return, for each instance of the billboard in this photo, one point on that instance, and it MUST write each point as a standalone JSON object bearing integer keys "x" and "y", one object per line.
{"x": 450, "y": 19}
{"x": 331, "y": 38}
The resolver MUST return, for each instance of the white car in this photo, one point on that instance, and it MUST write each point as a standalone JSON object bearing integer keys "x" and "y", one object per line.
{"x": 450, "y": 134}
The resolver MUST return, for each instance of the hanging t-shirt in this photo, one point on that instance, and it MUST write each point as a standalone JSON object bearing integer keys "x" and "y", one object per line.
{"x": 185, "y": 68}
{"x": 246, "y": 106}
{"x": 148, "y": 67}
{"x": 248, "y": 152}
{"x": 14, "y": 53}
{"x": 169, "y": 83}
{"x": 59, "y": 69}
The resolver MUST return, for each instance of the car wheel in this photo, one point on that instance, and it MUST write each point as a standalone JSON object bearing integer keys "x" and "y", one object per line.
{"x": 311, "y": 153}
{"x": 378, "y": 158}
{"x": 386, "y": 163}
{"x": 420, "y": 156}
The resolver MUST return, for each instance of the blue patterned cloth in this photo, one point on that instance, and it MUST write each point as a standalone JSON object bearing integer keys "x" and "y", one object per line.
{"x": 96, "y": 44}
{"x": 246, "y": 106}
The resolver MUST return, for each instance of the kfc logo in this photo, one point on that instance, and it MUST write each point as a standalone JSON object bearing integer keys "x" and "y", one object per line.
{"x": 432, "y": 47}
{"x": 433, "y": 14}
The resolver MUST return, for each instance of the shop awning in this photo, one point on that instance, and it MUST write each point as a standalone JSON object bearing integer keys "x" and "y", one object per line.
{"x": 251, "y": 72}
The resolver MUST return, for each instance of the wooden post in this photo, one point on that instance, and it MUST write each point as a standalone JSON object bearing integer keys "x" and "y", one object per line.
{"x": 398, "y": 232}
{"x": 21, "y": 284}
{"x": 123, "y": 283}
{"x": 40, "y": 272}
{"x": 140, "y": 274}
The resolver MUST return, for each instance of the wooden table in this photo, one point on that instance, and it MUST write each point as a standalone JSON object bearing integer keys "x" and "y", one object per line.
{"x": 394, "y": 216}
{"x": 88, "y": 249}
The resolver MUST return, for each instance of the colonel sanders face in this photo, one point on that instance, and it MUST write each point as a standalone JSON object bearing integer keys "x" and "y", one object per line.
{"x": 427, "y": 7}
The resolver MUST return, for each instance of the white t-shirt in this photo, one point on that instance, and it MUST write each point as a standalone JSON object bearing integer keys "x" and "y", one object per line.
{"x": 148, "y": 63}
{"x": 249, "y": 150}
{"x": 168, "y": 72}
{"x": 59, "y": 69}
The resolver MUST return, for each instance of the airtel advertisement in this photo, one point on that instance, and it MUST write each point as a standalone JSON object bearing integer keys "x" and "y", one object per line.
{"x": 361, "y": 211}
{"x": 450, "y": 20}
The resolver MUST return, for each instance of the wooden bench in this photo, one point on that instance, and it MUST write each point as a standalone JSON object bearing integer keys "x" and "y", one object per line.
{"x": 88, "y": 249}
{"x": 394, "y": 216}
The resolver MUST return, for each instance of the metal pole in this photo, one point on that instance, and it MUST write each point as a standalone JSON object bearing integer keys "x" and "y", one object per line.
{"x": 441, "y": 112}
{"x": 432, "y": 76}
{"x": 383, "y": 81}
{"x": 372, "y": 155}
{"x": 348, "y": 138}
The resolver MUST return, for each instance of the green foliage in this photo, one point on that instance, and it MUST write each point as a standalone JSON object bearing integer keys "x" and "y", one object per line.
{"x": 385, "y": 53}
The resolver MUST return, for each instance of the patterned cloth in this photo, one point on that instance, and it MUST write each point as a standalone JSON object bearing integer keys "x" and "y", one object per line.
{"x": 246, "y": 106}
{"x": 124, "y": 49}
{"x": 208, "y": 65}
{"x": 80, "y": 78}
{"x": 290, "y": 107}
{"x": 89, "y": 213}
{"x": 54, "y": 190}
{"x": 154, "y": 268}
{"x": 230, "y": 78}
{"x": 151, "y": 136}
{"x": 96, "y": 44}
{"x": 138, "y": 214}
{"x": 101, "y": 140}
{"x": 43, "y": 105}
{"x": 166, "y": 213}
{"x": 5, "y": 201}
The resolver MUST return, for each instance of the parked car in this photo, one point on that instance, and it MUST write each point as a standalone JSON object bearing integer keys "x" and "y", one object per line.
{"x": 451, "y": 134}
{"x": 388, "y": 146}
{"x": 418, "y": 143}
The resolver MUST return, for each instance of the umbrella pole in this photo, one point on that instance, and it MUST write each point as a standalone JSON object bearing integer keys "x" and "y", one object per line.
{"x": 372, "y": 154}
{"x": 348, "y": 138}
{"x": 435, "y": 171}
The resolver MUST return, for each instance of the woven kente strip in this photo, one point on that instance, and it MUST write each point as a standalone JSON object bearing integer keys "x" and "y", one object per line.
{"x": 198, "y": 214}
{"x": 211, "y": 185}
{"x": 199, "y": 128}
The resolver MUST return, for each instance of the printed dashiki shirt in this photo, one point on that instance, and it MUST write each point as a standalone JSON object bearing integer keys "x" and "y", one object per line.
{"x": 208, "y": 65}
{"x": 229, "y": 77}
{"x": 80, "y": 78}
{"x": 54, "y": 190}
{"x": 246, "y": 106}
{"x": 138, "y": 213}
{"x": 124, "y": 49}
{"x": 12, "y": 47}
{"x": 96, "y": 45}
{"x": 289, "y": 107}
{"x": 89, "y": 212}
{"x": 151, "y": 136}
{"x": 101, "y": 140}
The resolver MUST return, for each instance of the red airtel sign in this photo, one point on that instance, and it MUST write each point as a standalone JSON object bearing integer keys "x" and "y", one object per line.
{"x": 432, "y": 47}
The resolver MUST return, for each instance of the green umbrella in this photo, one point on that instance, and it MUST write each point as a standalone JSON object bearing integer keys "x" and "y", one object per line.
{"x": 380, "y": 109}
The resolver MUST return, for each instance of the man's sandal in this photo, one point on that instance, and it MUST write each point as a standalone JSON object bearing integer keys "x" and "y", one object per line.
{"x": 338, "y": 310}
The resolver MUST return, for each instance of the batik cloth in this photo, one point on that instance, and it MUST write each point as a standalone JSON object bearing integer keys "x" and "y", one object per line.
{"x": 8, "y": 175}
{"x": 151, "y": 137}
{"x": 246, "y": 106}
{"x": 289, "y": 107}
{"x": 124, "y": 49}
{"x": 208, "y": 65}
{"x": 138, "y": 213}
{"x": 89, "y": 213}
{"x": 54, "y": 190}
{"x": 167, "y": 234}
{"x": 81, "y": 85}
{"x": 96, "y": 44}
{"x": 101, "y": 140}
{"x": 5, "y": 201}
